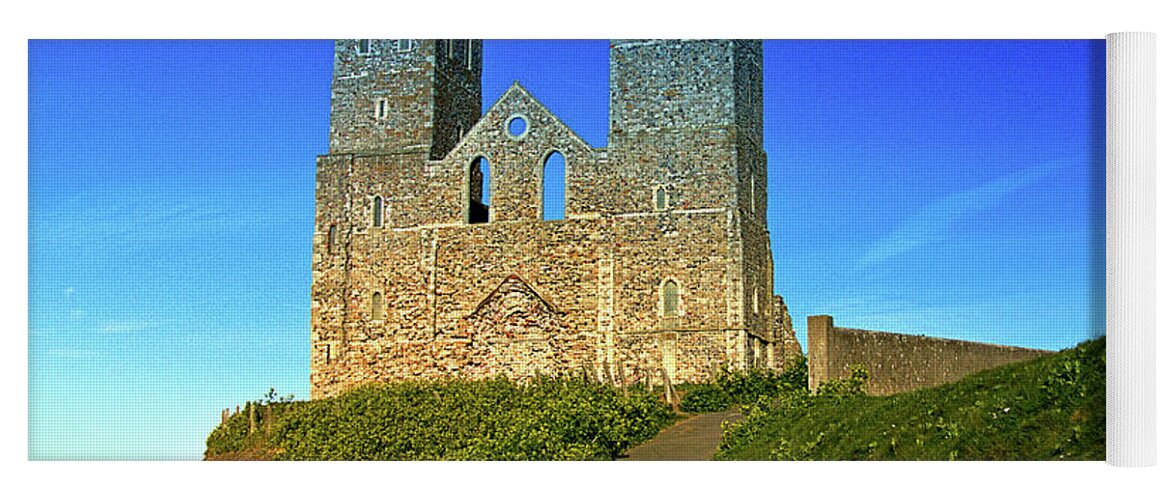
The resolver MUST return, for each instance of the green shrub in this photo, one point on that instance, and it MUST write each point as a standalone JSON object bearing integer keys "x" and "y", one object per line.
{"x": 747, "y": 387}
{"x": 795, "y": 376}
{"x": 238, "y": 433}
{"x": 705, "y": 398}
{"x": 567, "y": 418}
{"x": 854, "y": 385}
{"x": 229, "y": 436}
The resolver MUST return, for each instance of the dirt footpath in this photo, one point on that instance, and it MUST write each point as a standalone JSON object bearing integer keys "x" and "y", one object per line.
{"x": 697, "y": 438}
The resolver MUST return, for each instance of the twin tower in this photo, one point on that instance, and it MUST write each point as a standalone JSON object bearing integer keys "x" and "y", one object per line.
{"x": 433, "y": 257}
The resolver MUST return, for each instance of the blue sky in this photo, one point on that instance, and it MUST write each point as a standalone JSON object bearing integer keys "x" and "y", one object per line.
{"x": 952, "y": 188}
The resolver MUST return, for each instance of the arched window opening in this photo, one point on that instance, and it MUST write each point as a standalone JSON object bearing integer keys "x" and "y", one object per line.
{"x": 670, "y": 299}
{"x": 479, "y": 190}
{"x": 553, "y": 195}
{"x": 377, "y": 211}
{"x": 331, "y": 242}
{"x": 661, "y": 198}
{"x": 377, "y": 312}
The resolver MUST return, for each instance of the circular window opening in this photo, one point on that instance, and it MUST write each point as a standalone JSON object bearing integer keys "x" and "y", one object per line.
{"x": 517, "y": 126}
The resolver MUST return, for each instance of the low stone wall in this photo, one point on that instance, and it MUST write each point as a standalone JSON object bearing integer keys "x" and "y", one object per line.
{"x": 898, "y": 362}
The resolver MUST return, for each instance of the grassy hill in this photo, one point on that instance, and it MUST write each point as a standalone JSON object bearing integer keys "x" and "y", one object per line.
{"x": 1050, "y": 408}
{"x": 551, "y": 419}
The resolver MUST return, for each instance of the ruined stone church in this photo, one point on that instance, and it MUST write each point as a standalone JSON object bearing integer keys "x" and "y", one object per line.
{"x": 434, "y": 256}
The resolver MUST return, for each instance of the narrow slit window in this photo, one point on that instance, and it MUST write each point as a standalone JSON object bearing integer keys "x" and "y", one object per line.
{"x": 331, "y": 242}
{"x": 752, "y": 194}
{"x": 377, "y": 312}
{"x": 670, "y": 299}
{"x": 377, "y": 211}
{"x": 661, "y": 198}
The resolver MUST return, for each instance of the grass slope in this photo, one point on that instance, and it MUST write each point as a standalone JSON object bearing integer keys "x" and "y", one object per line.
{"x": 1050, "y": 408}
{"x": 549, "y": 419}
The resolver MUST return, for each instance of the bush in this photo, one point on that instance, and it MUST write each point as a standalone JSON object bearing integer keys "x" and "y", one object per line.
{"x": 747, "y": 387}
{"x": 547, "y": 419}
{"x": 795, "y": 376}
{"x": 705, "y": 398}
{"x": 249, "y": 429}
{"x": 229, "y": 436}
{"x": 854, "y": 385}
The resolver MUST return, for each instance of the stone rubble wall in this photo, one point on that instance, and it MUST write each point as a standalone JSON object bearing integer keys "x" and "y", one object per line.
{"x": 785, "y": 340}
{"x": 429, "y": 96}
{"x": 424, "y": 324}
{"x": 656, "y": 84}
{"x": 457, "y": 98}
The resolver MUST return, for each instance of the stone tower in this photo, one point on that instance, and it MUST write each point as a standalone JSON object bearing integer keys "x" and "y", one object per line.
{"x": 403, "y": 96}
{"x": 687, "y": 115}
{"x": 659, "y": 269}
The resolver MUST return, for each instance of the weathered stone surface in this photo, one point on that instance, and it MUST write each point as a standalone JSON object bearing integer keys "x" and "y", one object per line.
{"x": 520, "y": 295}
{"x": 785, "y": 343}
{"x": 899, "y": 362}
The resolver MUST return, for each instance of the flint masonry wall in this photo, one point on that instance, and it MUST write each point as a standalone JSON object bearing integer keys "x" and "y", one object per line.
{"x": 898, "y": 362}
{"x": 427, "y": 293}
{"x": 404, "y": 95}
{"x": 785, "y": 346}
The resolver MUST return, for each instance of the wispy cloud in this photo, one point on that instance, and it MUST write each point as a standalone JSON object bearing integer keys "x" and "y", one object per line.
{"x": 130, "y": 217}
{"x": 934, "y": 222}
